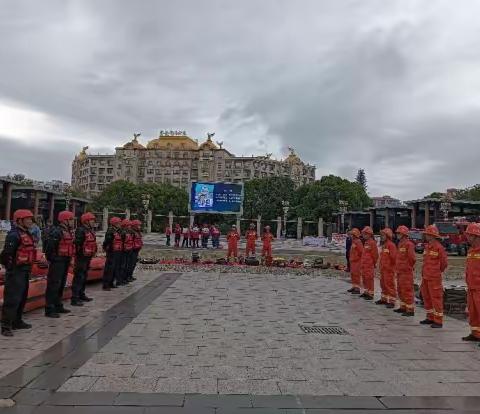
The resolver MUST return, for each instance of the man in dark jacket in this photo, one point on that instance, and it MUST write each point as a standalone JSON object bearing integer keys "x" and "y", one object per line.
{"x": 17, "y": 256}
{"x": 85, "y": 249}
{"x": 59, "y": 250}
{"x": 113, "y": 247}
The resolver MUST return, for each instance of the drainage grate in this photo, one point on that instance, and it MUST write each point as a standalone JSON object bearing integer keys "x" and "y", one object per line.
{"x": 323, "y": 330}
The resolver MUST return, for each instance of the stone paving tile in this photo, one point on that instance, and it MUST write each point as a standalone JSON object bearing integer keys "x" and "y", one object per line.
{"x": 231, "y": 333}
{"x": 78, "y": 384}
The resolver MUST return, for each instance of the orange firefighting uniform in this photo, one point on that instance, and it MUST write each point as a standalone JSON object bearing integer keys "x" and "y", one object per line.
{"x": 404, "y": 268}
{"x": 472, "y": 276}
{"x": 434, "y": 264}
{"x": 232, "y": 238}
{"x": 356, "y": 252}
{"x": 251, "y": 237}
{"x": 368, "y": 263}
{"x": 388, "y": 256}
{"x": 267, "y": 244}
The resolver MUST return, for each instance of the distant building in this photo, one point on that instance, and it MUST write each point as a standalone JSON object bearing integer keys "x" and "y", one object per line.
{"x": 177, "y": 159}
{"x": 386, "y": 201}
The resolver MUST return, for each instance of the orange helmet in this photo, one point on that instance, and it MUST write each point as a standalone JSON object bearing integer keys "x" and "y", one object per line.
{"x": 473, "y": 229}
{"x": 136, "y": 223}
{"x": 126, "y": 223}
{"x": 403, "y": 230}
{"x": 86, "y": 217}
{"x": 22, "y": 214}
{"x": 65, "y": 215}
{"x": 367, "y": 230}
{"x": 388, "y": 232}
{"x": 432, "y": 231}
{"x": 355, "y": 232}
{"x": 115, "y": 220}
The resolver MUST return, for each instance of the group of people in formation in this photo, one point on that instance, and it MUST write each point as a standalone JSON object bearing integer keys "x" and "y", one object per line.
{"x": 191, "y": 236}
{"x": 63, "y": 243}
{"x": 397, "y": 268}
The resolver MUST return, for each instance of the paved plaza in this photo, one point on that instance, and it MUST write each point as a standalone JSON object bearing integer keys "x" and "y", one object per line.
{"x": 206, "y": 342}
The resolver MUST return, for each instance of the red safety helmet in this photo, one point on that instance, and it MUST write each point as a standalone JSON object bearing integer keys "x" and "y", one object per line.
{"x": 126, "y": 223}
{"x": 65, "y": 215}
{"x": 403, "y": 230}
{"x": 22, "y": 214}
{"x": 367, "y": 230}
{"x": 115, "y": 220}
{"x": 86, "y": 217}
{"x": 432, "y": 231}
{"x": 355, "y": 232}
{"x": 388, "y": 232}
{"x": 473, "y": 229}
{"x": 136, "y": 223}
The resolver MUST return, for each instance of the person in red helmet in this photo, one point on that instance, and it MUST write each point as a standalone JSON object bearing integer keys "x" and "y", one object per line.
{"x": 17, "y": 256}
{"x": 85, "y": 250}
{"x": 59, "y": 251}
{"x": 388, "y": 256}
{"x": 127, "y": 251}
{"x": 368, "y": 263}
{"x": 137, "y": 246}
{"x": 405, "y": 269}
{"x": 355, "y": 259}
{"x": 472, "y": 276}
{"x": 232, "y": 239}
{"x": 267, "y": 239}
{"x": 113, "y": 248}
{"x": 251, "y": 238}
{"x": 434, "y": 264}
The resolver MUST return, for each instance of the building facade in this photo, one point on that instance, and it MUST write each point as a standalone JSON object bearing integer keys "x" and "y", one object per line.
{"x": 177, "y": 159}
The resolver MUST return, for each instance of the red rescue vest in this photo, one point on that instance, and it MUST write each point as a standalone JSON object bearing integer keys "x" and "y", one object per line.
{"x": 128, "y": 243}
{"x": 117, "y": 245}
{"x": 26, "y": 252}
{"x": 66, "y": 247}
{"x": 90, "y": 244}
{"x": 137, "y": 241}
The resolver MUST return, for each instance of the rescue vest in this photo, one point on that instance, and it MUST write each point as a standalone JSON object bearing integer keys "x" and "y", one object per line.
{"x": 128, "y": 243}
{"x": 137, "y": 241}
{"x": 26, "y": 252}
{"x": 66, "y": 248}
{"x": 215, "y": 232}
{"x": 117, "y": 245}
{"x": 90, "y": 244}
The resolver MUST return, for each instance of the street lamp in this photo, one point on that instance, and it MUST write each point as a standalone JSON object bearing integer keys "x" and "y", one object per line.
{"x": 146, "y": 203}
{"x": 343, "y": 206}
{"x": 286, "y": 207}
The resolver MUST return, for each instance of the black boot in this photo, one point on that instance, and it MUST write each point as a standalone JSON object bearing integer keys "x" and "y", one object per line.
{"x": 436, "y": 325}
{"x": 76, "y": 302}
{"x": 85, "y": 298}
{"x": 471, "y": 338}
{"x": 61, "y": 309}
{"x": 21, "y": 325}
{"x": 380, "y": 302}
{"x": 426, "y": 322}
{"x": 7, "y": 331}
{"x": 107, "y": 288}
{"x": 51, "y": 313}
{"x": 350, "y": 290}
{"x": 399, "y": 310}
{"x": 356, "y": 291}
{"x": 390, "y": 306}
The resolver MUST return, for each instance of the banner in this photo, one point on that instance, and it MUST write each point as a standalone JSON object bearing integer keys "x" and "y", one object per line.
{"x": 315, "y": 241}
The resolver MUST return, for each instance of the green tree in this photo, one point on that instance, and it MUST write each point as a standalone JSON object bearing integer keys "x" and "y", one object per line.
{"x": 435, "y": 194}
{"x": 264, "y": 196}
{"x": 321, "y": 198}
{"x": 361, "y": 178}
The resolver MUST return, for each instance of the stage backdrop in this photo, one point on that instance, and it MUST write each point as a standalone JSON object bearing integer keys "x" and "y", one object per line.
{"x": 216, "y": 197}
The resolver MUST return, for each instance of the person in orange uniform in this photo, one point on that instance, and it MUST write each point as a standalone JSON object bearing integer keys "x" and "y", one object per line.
{"x": 232, "y": 238}
{"x": 355, "y": 256}
{"x": 251, "y": 237}
{"x": 472, "y": 276}
{"x": 434, "y": 264}
{"x": 267, "y": 239}
{"x": 404, "y": 269}
{"x": 388, "y": 257}
{"x": 368, "y": 263}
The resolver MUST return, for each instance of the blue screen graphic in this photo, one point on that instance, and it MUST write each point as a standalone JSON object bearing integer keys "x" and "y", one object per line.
{"x": 208, "y": 197}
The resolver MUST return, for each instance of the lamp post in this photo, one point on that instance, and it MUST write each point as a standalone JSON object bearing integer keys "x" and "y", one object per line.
{"x": 343, "y": 206}
{"x": 146, "y": 204}
{"x": 285, "y": 207}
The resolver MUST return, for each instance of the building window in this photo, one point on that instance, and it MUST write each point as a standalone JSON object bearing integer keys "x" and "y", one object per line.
{"x": 150, "y": 170}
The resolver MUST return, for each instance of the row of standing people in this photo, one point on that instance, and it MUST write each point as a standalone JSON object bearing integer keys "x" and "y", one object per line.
{"x": 397, "y": 268}
{"x": 62, "y": 244}
{"x": 191, "y": 236}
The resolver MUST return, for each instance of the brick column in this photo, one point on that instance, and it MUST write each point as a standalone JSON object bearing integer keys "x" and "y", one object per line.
{"x": 372, "y": 219}
{"x": 149, "y": 221}
{"x": 279, "y": 227}
{"x": 387, "y": 218}
{"x": 259, "y": 225}
{"x": 8, "y": 201}
{"x": 413, "y": 215}
{"x": 192, "y": 220}
{"x": 320, "y": 227}
{"x": 36, "y": 203}
{"x": 127, "y": 214}
{"x": 427, "y": 214}
{"x": 299, "y": 228}
{"x": 238, "y": 225}
{"x": 170, "y": 220}
{"x": 105, "y": 219}
{"x": 51, "y": 207}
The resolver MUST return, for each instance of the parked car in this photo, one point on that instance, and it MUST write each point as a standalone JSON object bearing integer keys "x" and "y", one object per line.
{"x": 416, "y": 236}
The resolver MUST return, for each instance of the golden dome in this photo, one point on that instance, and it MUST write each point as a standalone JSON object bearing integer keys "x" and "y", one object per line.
{"x": 173, "y": 142}
{"x": 133, "y": 144}
{"x": 208, "y": 144}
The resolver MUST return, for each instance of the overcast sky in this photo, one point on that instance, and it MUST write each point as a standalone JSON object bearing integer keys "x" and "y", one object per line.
{"x": 389, "y": 86}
